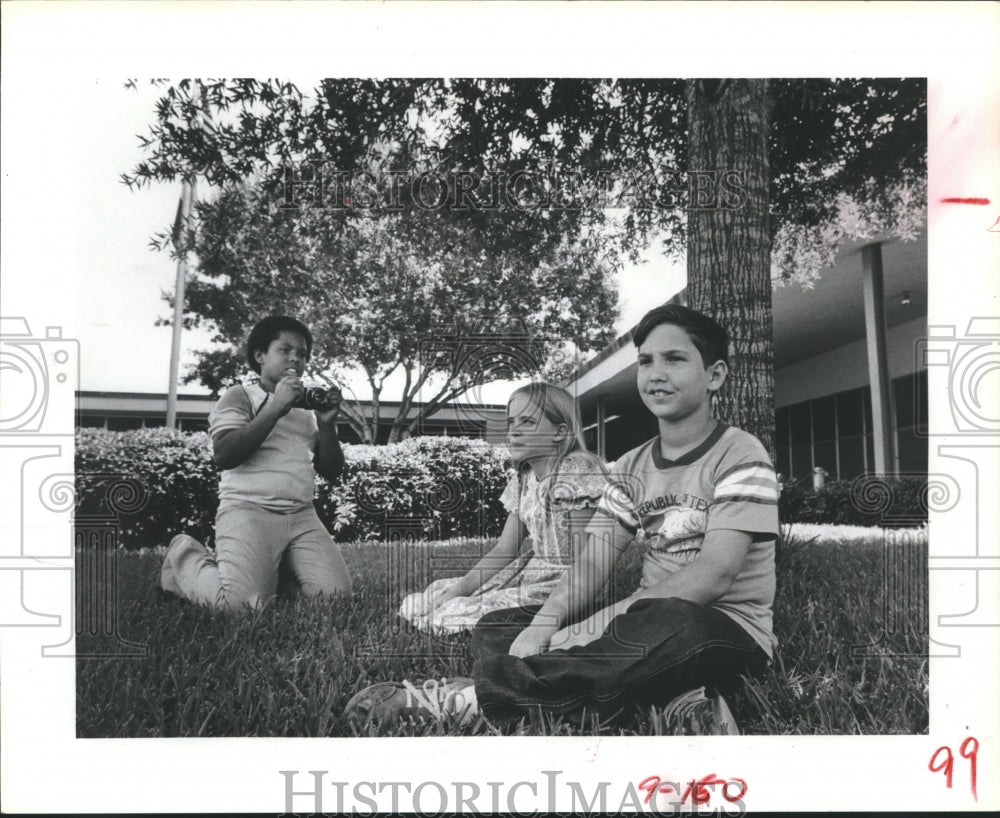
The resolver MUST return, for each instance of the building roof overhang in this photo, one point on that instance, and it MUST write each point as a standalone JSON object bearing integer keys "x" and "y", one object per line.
{"x": 807, "y": 322}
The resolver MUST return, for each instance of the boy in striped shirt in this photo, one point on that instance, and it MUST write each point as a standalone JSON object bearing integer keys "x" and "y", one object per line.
{"x": 702, "y": 498}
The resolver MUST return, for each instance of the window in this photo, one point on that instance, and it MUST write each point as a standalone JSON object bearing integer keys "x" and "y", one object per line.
{"x": 824, "y": 424}
{"x": 912, "y": 451}
{"x": 835, "y": 431}
{"x": 921, "y": 394}
{"x": 910, "y": 393}
{"x": 784, "y": 452}
{"x": 825, "y": 455}
{"x": 824, "y": 413}
{"x": 850, "y": 413}
{"x": 801, "y": 425}
{"x": 906, "y": 404}
{"x": 801, "y": 460}
{"x": 850, "y": 433}
{"x": 852, "y": 457}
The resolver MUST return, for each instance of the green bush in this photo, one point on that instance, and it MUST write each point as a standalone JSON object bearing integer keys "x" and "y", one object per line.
{"x": 865, "y": 501}
{"x": 435, "y": 487}
{"x": 159, "y": 482}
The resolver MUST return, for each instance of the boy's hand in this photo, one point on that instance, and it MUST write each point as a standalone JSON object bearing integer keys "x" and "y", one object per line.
{"x": 329, "y": 415}
{"x": 589, "y": 629}
{"x": 533, "y": 640}
{"x": 287, "y": 391}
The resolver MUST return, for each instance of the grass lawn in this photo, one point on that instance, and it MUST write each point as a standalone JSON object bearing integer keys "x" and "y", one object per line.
{"x": 290, "y": 669}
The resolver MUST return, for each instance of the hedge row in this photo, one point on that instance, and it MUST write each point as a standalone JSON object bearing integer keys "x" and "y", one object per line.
{"x": 866, "y": 501}
{"x": 159, "y": 482}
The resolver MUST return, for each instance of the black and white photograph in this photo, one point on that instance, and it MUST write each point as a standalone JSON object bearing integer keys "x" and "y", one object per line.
{"x": 627, "y": 419}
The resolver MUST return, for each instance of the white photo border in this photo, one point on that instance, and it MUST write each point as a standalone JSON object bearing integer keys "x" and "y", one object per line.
{"x": 52, "y": 53}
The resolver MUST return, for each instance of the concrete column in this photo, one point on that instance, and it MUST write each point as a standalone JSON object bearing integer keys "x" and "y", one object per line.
{"x": 883, "y": 420}
{"x": 601, "y": 439}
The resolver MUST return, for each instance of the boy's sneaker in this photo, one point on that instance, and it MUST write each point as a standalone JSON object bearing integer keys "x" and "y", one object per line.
{"x": 179, "y": 546}
{"x": 695, "y": 713}
{"x": 404, "y": 700}
{"x": 724, "y": 720}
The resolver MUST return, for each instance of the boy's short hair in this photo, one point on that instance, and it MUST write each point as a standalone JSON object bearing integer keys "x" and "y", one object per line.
{"x": 268, "y": 330}
{"x": 707, "y": 335}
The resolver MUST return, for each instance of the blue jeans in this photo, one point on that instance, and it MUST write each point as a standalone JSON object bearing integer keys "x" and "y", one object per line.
{"x": 656, "y": 650}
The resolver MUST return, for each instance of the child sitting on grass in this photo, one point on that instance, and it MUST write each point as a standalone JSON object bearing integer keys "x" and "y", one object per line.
{"x": 702, "y": 497}
{"x": 554, "y": 493}
{"x": 269, "y": 451}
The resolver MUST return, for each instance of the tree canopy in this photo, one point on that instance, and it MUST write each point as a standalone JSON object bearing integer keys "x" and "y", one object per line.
{"x": 415, "y": 292}
{"x": 598, "y": 163}
{"x": 831, "y": 139}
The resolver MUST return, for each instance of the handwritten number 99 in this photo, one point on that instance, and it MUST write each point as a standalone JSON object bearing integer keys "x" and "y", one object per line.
{"x": 944, "y": 760}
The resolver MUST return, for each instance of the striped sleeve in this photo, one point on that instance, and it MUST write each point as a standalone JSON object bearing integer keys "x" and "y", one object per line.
{"x": 750, "y": 482}
{"x": 745, "y": 496}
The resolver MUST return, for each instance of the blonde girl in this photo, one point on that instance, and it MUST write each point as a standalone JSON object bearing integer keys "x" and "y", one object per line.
{"x": 556, "y": 487}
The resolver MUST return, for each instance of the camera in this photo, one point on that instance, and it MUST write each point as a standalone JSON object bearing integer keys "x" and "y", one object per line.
{"x": 318, "y": 397}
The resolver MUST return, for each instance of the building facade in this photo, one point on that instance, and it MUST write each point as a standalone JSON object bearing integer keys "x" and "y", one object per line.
{"x": 120, "y": 411}
{"x": 850, "y": 382}
{"x": 850, "y": 385}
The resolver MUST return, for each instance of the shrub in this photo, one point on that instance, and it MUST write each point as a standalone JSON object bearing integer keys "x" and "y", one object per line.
{"x": 865, "y": 501}
{"x": 428, "y": 487}
{"x": 174, "y": 483}
{"x": 435, "y": 487}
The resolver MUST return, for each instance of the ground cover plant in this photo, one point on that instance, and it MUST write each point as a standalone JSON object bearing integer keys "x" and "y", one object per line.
{"x": 289, "y": 669}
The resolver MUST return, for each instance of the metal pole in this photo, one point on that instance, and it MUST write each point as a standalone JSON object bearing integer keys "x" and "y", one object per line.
{"x": 187, "y": 197}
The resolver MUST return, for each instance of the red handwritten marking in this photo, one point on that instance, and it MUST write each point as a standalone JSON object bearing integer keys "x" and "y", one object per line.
{"x": 948, "y": 764}
{"x": 735, "y": 798}
{"x": 973, "y": 200}
{"x": 971, "y": 756}
{"x": 697, "y": 791}
{"x": 652, "y": 784}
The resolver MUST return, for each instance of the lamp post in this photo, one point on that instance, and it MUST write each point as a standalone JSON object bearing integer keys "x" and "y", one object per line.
{"x": 202, "y": 121}
{"x": 180, "y": 225}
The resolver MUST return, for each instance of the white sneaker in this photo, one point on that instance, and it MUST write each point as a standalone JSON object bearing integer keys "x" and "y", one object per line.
{"x": 695, "y": 713}
{"x": 179, "y": 547}
{"x": 404, "y": 700}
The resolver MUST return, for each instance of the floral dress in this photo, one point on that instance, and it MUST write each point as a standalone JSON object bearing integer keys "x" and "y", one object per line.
{"x": 543, "y": 506}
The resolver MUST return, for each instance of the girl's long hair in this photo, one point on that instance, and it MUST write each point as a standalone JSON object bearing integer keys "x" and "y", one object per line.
{"x": 561, "y": 408}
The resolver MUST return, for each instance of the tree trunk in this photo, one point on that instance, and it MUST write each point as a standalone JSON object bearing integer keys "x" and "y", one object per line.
{"x": 728, "y": 243}
{"x": 376, "y": 417}
{"x": 395, "y": 431}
